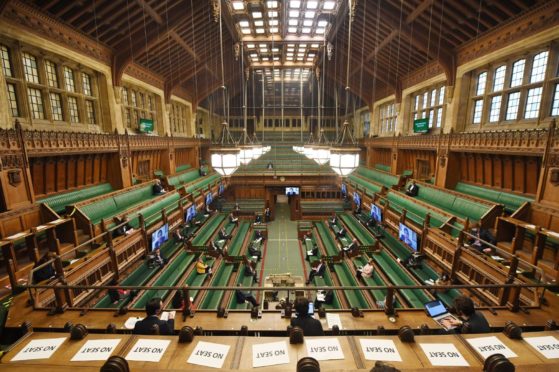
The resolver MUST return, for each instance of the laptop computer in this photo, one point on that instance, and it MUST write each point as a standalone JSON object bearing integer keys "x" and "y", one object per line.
{"x": 439, "y": 313}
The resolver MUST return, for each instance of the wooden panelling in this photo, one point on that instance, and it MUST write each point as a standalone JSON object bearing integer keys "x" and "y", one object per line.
{"x": 64, "y": 173}
{"x": 379, "y": 156}
{"x": 407, "y": 160}
{"x": 186, "y": 156}
{"x": 249, "y": 192}
{"x": 144, "y": 163}
{"x": 508, "y": 172}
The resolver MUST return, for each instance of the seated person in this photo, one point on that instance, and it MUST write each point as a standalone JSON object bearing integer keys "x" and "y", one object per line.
{"x": 254, "y": 251}
{"x": 476, "y": 322}
{"x": 412, "y": 189}
{"x": 443, "y": 280}
{"x": 223, "y": 234}
{"x": 334, "y": 220}
{"x": 270, "y": 166}
{"x": 312, "y": 253}
{"x": 158, "y": 259}
{"x": 306, "y": 236}
{"x": 123, "y": 228}
{"x": 309, "y": 325}
{"x": 382, "y": 304}
{"x": 358, "y": 209}
{"x": 242, "y": 297}
{"x": 177, "y": 235}
{"x": 153, "y": 310}
{"x": 233, "y": 219}
{"x": 202, "y": 171}
{"x": 158, "y": 188}
{"x": 202, "y": 268}
{"x": 351, "y": 247}
{"x": 340, "y": 233}
{"x": 324, "y": 297}
{"x": 258, "y": 237}
{"x": 318, "y": 270}
{"x": 371, "y": 222}
{"x": 237, "y": 207}
{"x": 367, "y": 270}
{"x": 208, "y": 210}
{"x": 481, "y": 238}
{"x": 215, "y": 247}
{"x": 250, "y": 270}
{"x": 117, "y": 294}
{"x": 412, "y": 262}
{"x": 179, "y": 301}
{"x": 257, "y": 219}
{"x": 46, "y": 272}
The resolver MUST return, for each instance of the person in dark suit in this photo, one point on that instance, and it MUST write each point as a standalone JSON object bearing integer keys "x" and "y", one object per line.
{"x": 340, "y": 233}
{"x": 153, "y": 310}
{"x": 318, "y": 270}
{"x": 250, "y": 270}
{"x": 45, "y": 272}
{"x": 351, "y": 247}
{"x": 412, "y": 189}
{"x": 158, "y": 259}
{"x": 158, "y": 188}
{"x": 334, "y": 219}
{"x": 312, "y": 253}
{"x": 124, "y": 227}
{"x": 267, "y": 214}
{"x": 309, "y": 325}
{"x": 472, "y": 321}
{"x": 233, "y": 219}
{"x": 242, "y": 297}
{"x": 223, "y": 234}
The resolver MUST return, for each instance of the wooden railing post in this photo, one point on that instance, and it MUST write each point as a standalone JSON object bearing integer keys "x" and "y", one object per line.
{"x": 455, "y": 261}
{"x": 514, "y": 304}
{"x": 389, "y": 302}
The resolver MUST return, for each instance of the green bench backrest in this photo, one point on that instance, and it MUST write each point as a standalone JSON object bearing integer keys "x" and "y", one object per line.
{"x": 59, "y": 202}
{"x": 98, "y": 210}
{"x": 511, "y": 201}
{"x": 152, "y": 212}
{"x": 385, "y": 179}
{"x": 181, "y": 168}
{"x": 126, "y": 199}
{"x": 186, "y": 177}
{"x": 383, "y": 167}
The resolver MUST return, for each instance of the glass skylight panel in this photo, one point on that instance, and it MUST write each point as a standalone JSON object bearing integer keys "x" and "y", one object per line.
{"x": 292, "y": 30}
{"x": 293, "y": 22}
{"x": 293, "y": 13}
{"x": 315, "y": 45}
{"x": 302, "y": 46}
{"x": 251, "y": 46}
{"x": 253, "y": 55}
{"x": 307, "y": 22}
{"x": 273, "y": 22}
{"x": 329, "y": 5}
{"x": 245, "y": 31}
{"x": 238, "y": 5}
{"x": 309, "y": 14}
{"x": 294, "y": 4}
{"x": 259, "y": 30}
{"x": 244, "y": 24}
{"x": 322, "y": 23}
{"x": 320, "y": 30}
{"x": 312, "y": 4}
{"x": 258, "y": 23}
{"x": 306, "y": 30}
{"x": 275, "y": 50}
{"x": 273, "y": 14}
{"x": 272, "y": 4}
{"x": 256, "y": 14}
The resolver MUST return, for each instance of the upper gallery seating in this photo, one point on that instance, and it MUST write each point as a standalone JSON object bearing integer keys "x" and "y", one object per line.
{"x": 59, "y": 202}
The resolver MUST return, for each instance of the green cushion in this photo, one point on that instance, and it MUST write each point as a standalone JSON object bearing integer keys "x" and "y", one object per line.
{"x": 185, "y": 177}
{"x": 383, "y": 178}
{"x": 182, "y": 168}
{"x": 383, "y": 167}
{"x": 59, "y": 202}
{"x": 99, "y": 210}
{"x": 511, "y": 201}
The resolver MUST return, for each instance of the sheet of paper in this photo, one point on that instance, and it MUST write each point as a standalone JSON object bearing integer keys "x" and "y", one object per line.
{"x": 380, "y": 349}
{"x": 270, "y": 354}
{"x": 165, "y": 315}
{"x": 487, "y": 346}
{"x": 334, "y": 319}
{"x": 131, "y": 322}
{"x": 548, "y": 346}
{"x": 39, "y": 349}
{"x": 324, "y": 348}
{"x": 444, "y": 355}
{"x": 96, "y": 350}
{"x": 209, "y": 354}
{"x": 148, "y": 350}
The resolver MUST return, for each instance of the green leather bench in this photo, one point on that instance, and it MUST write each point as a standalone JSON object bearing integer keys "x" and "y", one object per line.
{"x": 383, "y": 167}
{"x": 326, "y": 281}
{"x": 196, "y": 280}
{"x": 142, "y": 274}
{"x": 204, "y": 234}
{"x": 202, "y": 183}
{"x": 59, "y": 202}
{"x": 185, "y": 177}
{"x": 460, "y": 207}
{"x": 212, "y": 299}
{"x": 321, "y": 207}
{"x": 245, "y": 281}
{"x": 383, "y": 178}
{"x": 355, "y": 298}
{"x": 158, "y": 173}
{"x": 182, "y": 168}
{"x": 372, "y": 187}
{"x": 418, "y": 212}
{"x": 171, "y": 274}
{"x": 237, "y": 240}
{"x": 152, "y": 212}
{"x": 329, "y": 242}
{"x": 511, "y": 201}
{"x": 117, "y": 204}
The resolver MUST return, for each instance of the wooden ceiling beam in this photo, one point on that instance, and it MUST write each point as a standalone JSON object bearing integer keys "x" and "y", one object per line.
{"x": 387, "y": 40}
{"x": 418, "y": 10}
{"x": 150, "y": 11}
{"x": 141, "y": 43}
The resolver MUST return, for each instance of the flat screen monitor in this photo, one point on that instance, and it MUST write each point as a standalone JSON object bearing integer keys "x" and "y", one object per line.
{"x": 376, "y": 212}
{"x": 408, "y": 236}
{"x": 190, "y": 213}
{"x": 356, "y": 198}
{"x": 291, "y": 191}
{"x": 159, "y": 237}
{"x": 221, "y": 189}
{"x": 344, "y": 189}
{"x": 209, "y": 198}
